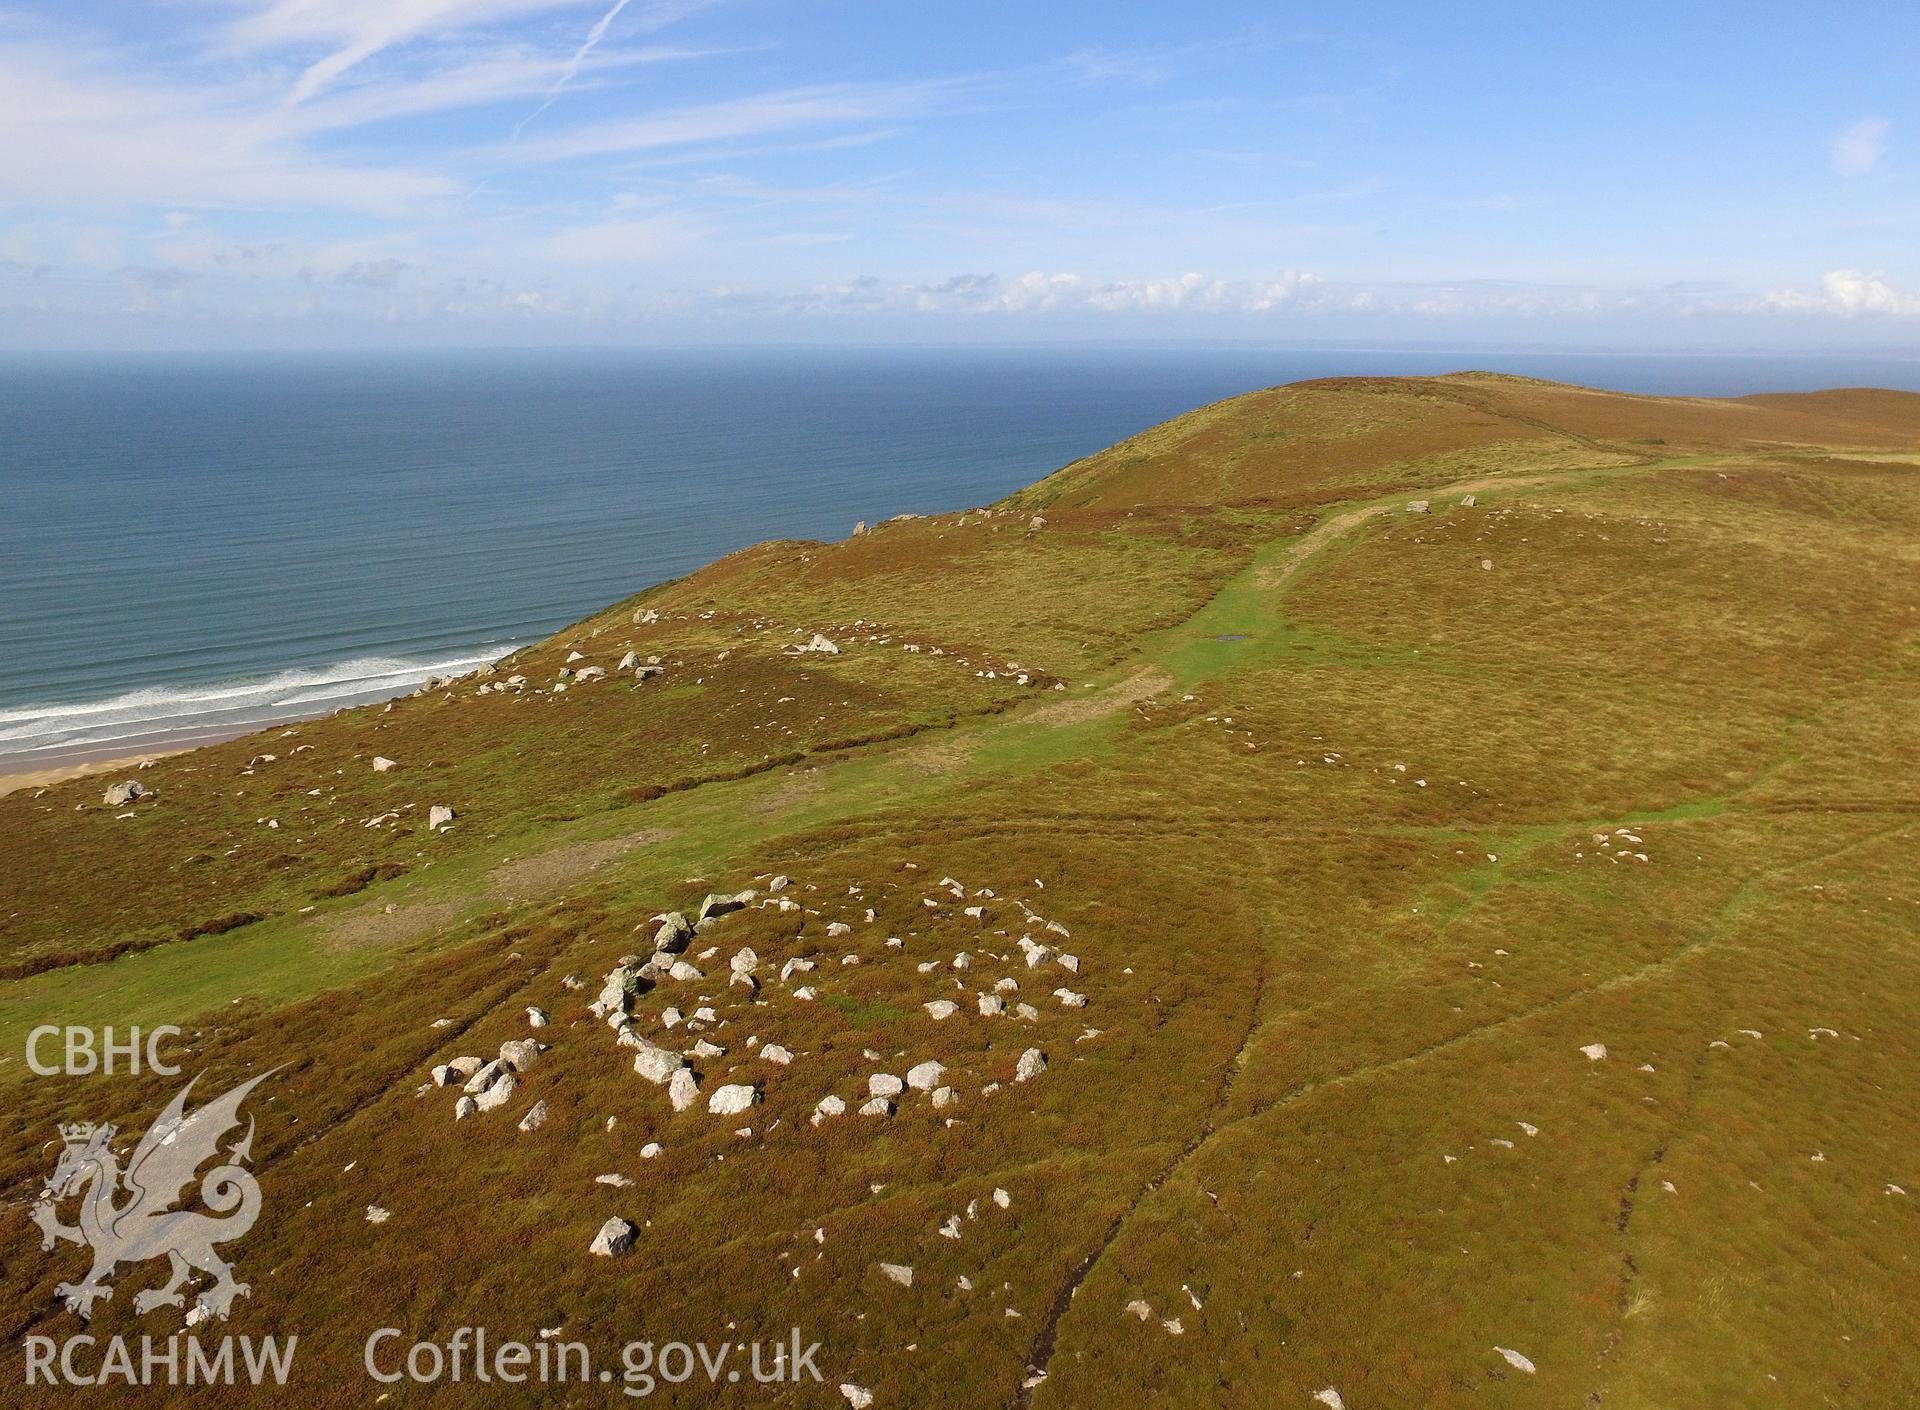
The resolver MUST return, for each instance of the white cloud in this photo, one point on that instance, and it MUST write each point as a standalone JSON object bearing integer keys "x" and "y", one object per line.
{"x": 587, "y": 46}
{"x": 756, "y": 116}
{"x": 618, "y": 241}
{"x": 359, "y": 29}
{"x": 80, "y": 136}
{"x": 1849, "y": 293}
{"x": 1857, "y": 149}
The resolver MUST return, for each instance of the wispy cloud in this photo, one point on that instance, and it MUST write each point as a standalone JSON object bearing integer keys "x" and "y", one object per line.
{"x": 587, "y": 46}
{"x": 1857, "y": 149}
{"x": 759, "y": 115}
{"x": 80, "y": 135}
{"x": 356, "y": 30}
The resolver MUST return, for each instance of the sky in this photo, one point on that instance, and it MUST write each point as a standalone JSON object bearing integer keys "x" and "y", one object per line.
{"x": 290, "y": 173}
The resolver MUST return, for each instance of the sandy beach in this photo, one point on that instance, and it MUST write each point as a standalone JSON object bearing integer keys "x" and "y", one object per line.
{"x": 40, "y": 778}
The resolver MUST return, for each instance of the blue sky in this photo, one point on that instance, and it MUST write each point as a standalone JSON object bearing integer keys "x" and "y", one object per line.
{"x": 319, "y": 172}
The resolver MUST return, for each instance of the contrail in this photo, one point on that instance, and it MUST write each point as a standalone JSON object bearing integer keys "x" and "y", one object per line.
{"x": 594, "y": 36}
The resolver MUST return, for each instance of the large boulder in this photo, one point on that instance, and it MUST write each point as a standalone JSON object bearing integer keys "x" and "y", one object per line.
{"x": 485, "y": 1076}
{"x": 654, "y": 1063}
{"x": 499, "y": 1094}
{"x": 674, "y": 933}
{"x": 732, "y": 1099}
{"x": 925, "y": 1076}
{"x": 827, "y": 1106}
{"x": 683, "y": 1090}
{"x": 615, "y": 1238}
{"x": 521, "y": 1053}
{"x": 719, "y": 905}
{"x": 616, "y": 994}
{"x": 121, "y": 794}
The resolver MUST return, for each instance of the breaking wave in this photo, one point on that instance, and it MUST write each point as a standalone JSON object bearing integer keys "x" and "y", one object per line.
{"x": 158, "y": 717}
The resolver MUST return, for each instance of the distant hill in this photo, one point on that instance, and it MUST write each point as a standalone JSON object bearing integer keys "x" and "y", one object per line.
{"x": 1393, "y": 888}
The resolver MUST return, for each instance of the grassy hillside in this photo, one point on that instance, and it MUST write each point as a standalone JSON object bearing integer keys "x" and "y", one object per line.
{"x": 1362, "y": 825}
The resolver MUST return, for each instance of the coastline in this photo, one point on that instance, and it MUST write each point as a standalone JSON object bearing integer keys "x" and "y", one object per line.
{"x": 57, "y": 741}
{"x": 60, "y": 773}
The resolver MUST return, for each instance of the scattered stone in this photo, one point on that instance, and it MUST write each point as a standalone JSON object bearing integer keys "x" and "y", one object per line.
{"x": 774, "y": 1053}
{"x": 1139, "y": 1309}
{"x": 827, "y": 1106}
{"x": 619, "y": 1182}
{"x": 718, "y": 905}
{"x": 438, "y": 817}
{"x": 499, "y": 1094}
{"x": 941, "y": 1008}
{"x": 1515, "y": 1359}
{"x": 732, "y": 1099}
{"x": 537, "y": 1018}
{"x": 536, "y": 1116}
{"x": 121, "y": 794}
{"x": 877, "y": 1106}
{"x": 485, "y": 1077}
{"x": 899, "y": 1273}
{"x": 682, "y": 1089}
{"x": 943, "y": 1097}
{"x": 655, "y": 1063}
{"x": 615, "y": 1238}
{"x": 521, "y": 1053}
{"x": 859, "y": 1397}
{"x": 821, "y": 644}
{"x": 1330, "y": 1398}
{"x": 464, "y": 1108}
{"x": 1032, "y": 1063}
{"x": 1595, "y": 1051}
{"x": 381, "y": 764}
{"x": 652, "y": 1150}
{"x": 674, "y": 933}
{"x": 1069, "y": 999}
{"x": 1418, "y": 506}
{"x": 377, "y": 1215}
{"x": 924, "y": 1077}
{"x": 885, "y": 1084}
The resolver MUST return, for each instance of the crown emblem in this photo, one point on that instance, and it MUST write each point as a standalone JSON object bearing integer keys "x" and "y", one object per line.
{"x": 82, "y": 1133}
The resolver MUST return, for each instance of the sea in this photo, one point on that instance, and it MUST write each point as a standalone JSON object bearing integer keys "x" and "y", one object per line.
{"x": 195, "y": 546}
